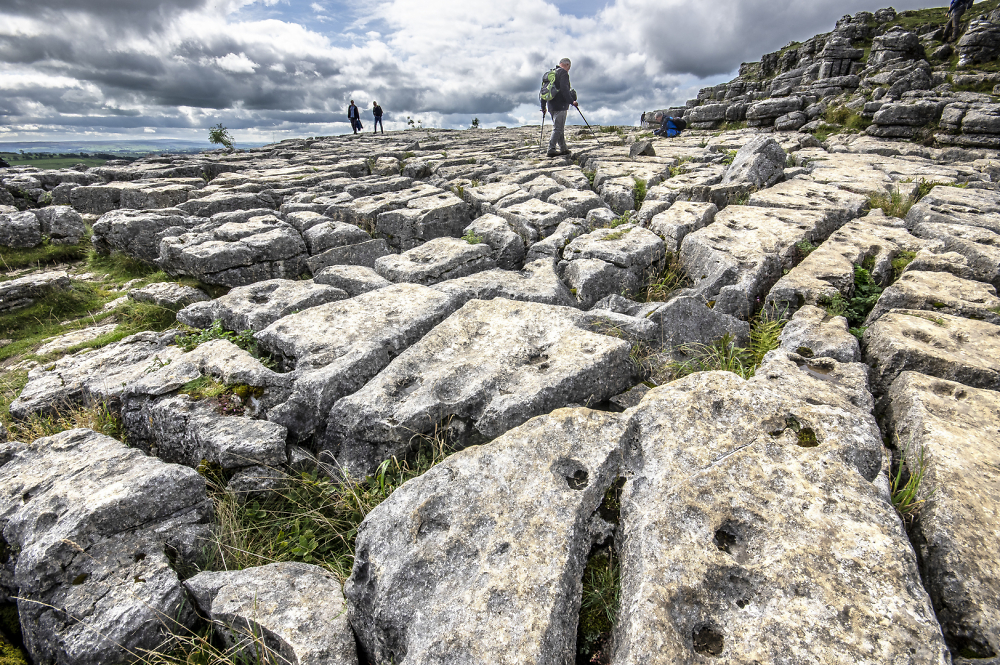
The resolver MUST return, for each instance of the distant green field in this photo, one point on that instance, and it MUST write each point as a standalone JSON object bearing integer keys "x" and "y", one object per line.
{"x": 14, "y": 159}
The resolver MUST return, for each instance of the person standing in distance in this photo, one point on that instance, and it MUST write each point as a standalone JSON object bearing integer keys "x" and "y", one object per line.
{"x": 558, "y": 107}
{"x": 953, "y": 29}
{"x": 377, "y": 112}
{"x": 353, "y": 116}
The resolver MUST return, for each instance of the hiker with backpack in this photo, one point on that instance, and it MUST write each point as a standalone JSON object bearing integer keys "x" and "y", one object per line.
{"x": 354, "y": 117}
{"x": 669, "y": 125}
{"x": 377, "y": 112}
{"x": 557, "y": 96}
{"x": 954, "y": 27}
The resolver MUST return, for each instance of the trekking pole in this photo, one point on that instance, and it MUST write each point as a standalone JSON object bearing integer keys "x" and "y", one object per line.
{"x": 541, "y": 134}
{"x": 585, "y": 121}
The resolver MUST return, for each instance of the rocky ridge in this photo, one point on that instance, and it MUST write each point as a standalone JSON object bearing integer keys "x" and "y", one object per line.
{"x": 393, "y": 290}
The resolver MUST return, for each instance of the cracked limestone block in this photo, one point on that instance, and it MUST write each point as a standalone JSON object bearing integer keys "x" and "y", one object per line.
{"x": 436, "y": 261}
{"x": 363, "y": 254}
{"x": 20, "y": 230}
{"x": 932, "y": 420}
{"x": 485, "y": 198}
{"x": 491, "y": 366}
{"x": 137, "y": 233}
{"x": 89, "y": 523}
{"x": 256, "y": 306}
{"x": 236, "y": 254}
{"x": 551, "y": 248}
{"x": 480, "y": 559}
{"x": 759, "y": 163}
{"x": 688, "y": 320}
{"x": 828, "y": 270}
{"x": 812, "y": 333}
{"x": 738, "y": 258}
{"x": 536, "y": 282}
{"x": 680, "y": 219}
{"x": 62, "y": 224}
{"x": 979, "y": 246}
{"x": 145, "y": 197}
{"x": 955, "y": 205}
{"x": 840, "y": 205}
{"x": 25, "y": 291}
{"x": 293, "y": 612}
{"x": 744, "y": 505}
{"x": 438, "y": 216}
{"x": 591, "y": 280}
{"x": 542, "y": 187}
{"x": 507, "y": 246}
{"x": 325, "y": 235}
{"x": 618, "y": 193}
{"x": 168, "y": 294}
{"x": 534, "y": 219}
{"x": 65, "y": 341}
{"x": 94, "y": 376}
{"x": 97, "y": 199}
{"x": 949, "y": 262}
{"x": 939, "y": 292}
{"x": 206, "y": 206}
{"x": 576, "y": 202}
{"x": 336, "y": 348}
{"x": 354, "y": 280}
{"x": 628, "y": 247}
{"x": 940, "y": 345}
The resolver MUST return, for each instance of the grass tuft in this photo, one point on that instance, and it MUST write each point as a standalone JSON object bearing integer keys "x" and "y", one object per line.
{"x": 45, "y": 254}
{"x": 903, "y": 259}
{"x": 893, "y": 204}
{"x": 639, "y": 193}
{"x": 673, "y": 278}
{"x": 906, "y": 482}
{"x": 472, "y": 238}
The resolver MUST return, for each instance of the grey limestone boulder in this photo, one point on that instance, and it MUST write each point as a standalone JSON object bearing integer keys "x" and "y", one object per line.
{"x": 577, "y": 202}
{"x": 354, "y": 280}
{"x": 950, "y": 262}
{"x": 680, "y": 219}
{"x": 893, "y": 45}
{"x": 790, "y": 122}
{"x": 533, "y": 219}
{"x": 362, "y": 254}
{"x": 437, "y": 216}
{"x": 168, "y": 294}
{"x": 282, "y": 612}
{"x": 759, "y": 163}
{"x": 839, "y": 205}
{"x": 236, "y": 254}
{"x": 493, "y": 365}
{"x": 688, "y": 320}
{"x": 932, "y": 420}
{"x": 436, "y": 261}
{"x": 256, "y": 306}
{"x": 25, "y": 291}
{"x": 480, "y": 559}
{"x": 913, "y": 113}
{"x": 591, "y": 280}
{"x": 507, "y": 246}
{"x": 631, "y": 255}
{"x": 721, "y": 554}
{"x": 20, "y": 230}
{"x": 62, "y": 224}
{"x": 979, "y": 43}
{"x": 89, "y": 523}
{"x": 536, "y": 282}
{"x": 325, "y": 235}
{"x": 94, "y": 375}
{"x": 939, "y": 345}
{"x": 812, "y": 333}
{"x": 939, "y": 292}
{"x": 206, "y": 206}
{"x": 552, "y": 246}
{"x": 338, "y": 347}
{"x": 138, "y": 233}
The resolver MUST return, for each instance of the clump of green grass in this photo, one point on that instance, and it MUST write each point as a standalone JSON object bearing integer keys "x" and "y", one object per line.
{"x": 639, "y": 192}
{"x": 45, "y": 254}
{"x": 730, "y": 157}
{"x": 590, "y": 174}
{"x": 805, "y": 248}
{"x": 671, "y": 279}
{"x": 29, "y": 326}
{"x": 121, "y": 267}
{"x": 903, "y": 259}
{"x": 599, "y": 606}
{"x": 472, "y": 238}
{"x": 906, "y": 482}
{"x": 893, "y": 204}
{"x": 97, "y": 417}
{"x": 311, "y": 518}
{"x": 617, "y": 235}
{"x": 724, "y": 355}
{"x": 243, "y": 339}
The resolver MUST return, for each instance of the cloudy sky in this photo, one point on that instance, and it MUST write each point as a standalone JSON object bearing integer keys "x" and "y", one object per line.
{"x": 121, "y": 69}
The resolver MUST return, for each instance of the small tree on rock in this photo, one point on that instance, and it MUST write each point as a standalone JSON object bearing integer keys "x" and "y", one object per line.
{"x": 475, "y": 123}
{"x": 219, "y": 135}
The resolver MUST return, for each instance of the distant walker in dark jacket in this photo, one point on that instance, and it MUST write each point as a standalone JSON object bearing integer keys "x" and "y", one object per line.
{"x": 954, "y": 27}
{"x": 354, "y": 117}
{"x": 377, "y": 112}
{"x": 558, "y": 107}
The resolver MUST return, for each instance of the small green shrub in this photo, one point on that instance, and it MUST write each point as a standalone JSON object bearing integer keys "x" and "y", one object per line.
{"x": 805, "y": 248}
{"x": 903, "y": 259}
{"x": 243, "y": 339}
{"x": 219, "y": 135}
{"x": 893, "y": 204}
{"x": 765, "y": 333}
{"x": 472, "y": 238}
{"x": 639, "y": 192}
{"x": 730, "y": 157}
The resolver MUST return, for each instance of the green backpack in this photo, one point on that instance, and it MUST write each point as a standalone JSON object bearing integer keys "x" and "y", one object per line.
{"x": 549, "y": 89}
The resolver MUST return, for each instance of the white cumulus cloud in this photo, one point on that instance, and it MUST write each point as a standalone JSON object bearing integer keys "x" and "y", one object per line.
{"x": 237, "y": 64}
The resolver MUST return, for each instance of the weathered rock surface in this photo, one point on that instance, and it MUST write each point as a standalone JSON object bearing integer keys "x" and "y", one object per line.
{"x": 812, "y": 333}
{"x": 932, "y": 420}
{"x": 760, "y": 163}
{"x": 19, "y": 230}
{"x": 26, "y": 291}
{"x": 493, "y": 365}
{"x": 89, "y": 522}
{"x": 258, "y": 305}
{"x": 537, "y": 282}
{"x": 168, "y": 294}
{"x": 436, "y": 261}
{"x": 480, "y": 559}
{"x": 721, "y": 553}
{"x": 680, "y": 219}
{"x": 939, "y": 292}
{"x": 293, "y": 612}
{"x": 939, "y": 345}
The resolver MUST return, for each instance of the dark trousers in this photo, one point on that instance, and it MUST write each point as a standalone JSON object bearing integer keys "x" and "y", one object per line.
{"x": 378, "y": 123}
{"x": 954, "y": 27}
